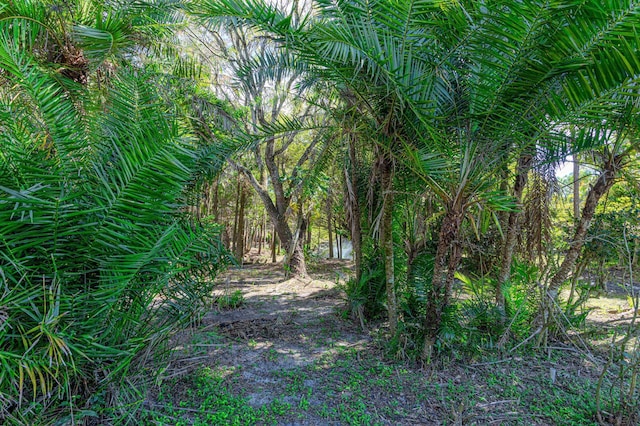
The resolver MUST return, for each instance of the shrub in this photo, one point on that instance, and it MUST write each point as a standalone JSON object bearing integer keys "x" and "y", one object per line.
{"x": 98, "y": 262}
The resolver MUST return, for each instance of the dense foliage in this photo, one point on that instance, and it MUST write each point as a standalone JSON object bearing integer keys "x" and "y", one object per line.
{"x": 426, "y": 131}
{"x": 98, "y": 259}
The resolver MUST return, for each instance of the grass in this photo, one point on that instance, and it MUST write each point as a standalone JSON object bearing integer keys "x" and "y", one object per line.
{"x": 231, "y": 300}
{"x": 207, "y": 397}
{"x": 321, "y": 369}
{"x": 347, "y": 387}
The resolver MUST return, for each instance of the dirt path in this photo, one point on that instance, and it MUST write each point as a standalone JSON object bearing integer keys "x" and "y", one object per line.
{"x": 287, "y": 356}
{"x": 282, "y": 329}
{"x": 287, "y": 323}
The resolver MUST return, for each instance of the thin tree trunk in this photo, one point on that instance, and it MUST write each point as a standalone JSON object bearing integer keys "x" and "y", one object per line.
{"x": 240, "y": 237}
{"x": 329, "y": 223}
{"x": 601, "y": 186}
{"x": 210, "y": 194}
{"x": 235, "y": 217}
{"x": 215, "y": 200}
{"x": 513, "y": 228}
{"x": 250, "y": 236}
{"x": 351, "y": 179}
{"x": 386, "y": 242}
{"x": 274, "y": 237}
{"x": 574, "y": 282}
{"x": 576, "y": 188}
{"x": 261, "y": 236}
{"x": 447, "y": 257}
{"x": 203, "y": 205}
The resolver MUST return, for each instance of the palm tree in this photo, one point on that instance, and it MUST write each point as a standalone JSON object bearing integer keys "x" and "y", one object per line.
{"x": 456, "y": 91}
{"x": 98, "y": 261}
{"x": 617, "y": 150}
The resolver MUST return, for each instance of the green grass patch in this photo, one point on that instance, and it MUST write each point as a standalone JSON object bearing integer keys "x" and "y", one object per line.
{"x": 207, "y": 398}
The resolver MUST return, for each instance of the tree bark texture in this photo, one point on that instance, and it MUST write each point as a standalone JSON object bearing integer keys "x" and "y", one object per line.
{"x": 513, "y": 228}
{"x": 601, "y": 186}
{"x": 576, "y": 187}
{"x": 236, "y": 209}
{"x": 215, "y": 201}
{"x": 386, "y": 242}
{"x": 329, "y": 220}
{"x": 240, "y": 237}
{"x": 295, "y": 263}
{"x": 274, "y": 243}
{"x": 295, "y": 249}
{"x": 447, "y": 258}
{"x": 353, "y": 208}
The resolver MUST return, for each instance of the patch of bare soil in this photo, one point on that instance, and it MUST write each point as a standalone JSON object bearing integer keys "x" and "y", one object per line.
{"x": 288, "y": 356}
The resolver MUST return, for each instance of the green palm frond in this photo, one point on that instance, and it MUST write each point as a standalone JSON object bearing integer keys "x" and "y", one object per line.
{"x": 92, "y": 226}
{"x": 108, "y": 31}
{"x": 256, "y": 14}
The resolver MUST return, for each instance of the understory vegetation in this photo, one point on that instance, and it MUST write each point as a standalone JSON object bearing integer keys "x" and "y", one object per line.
{"x": 472, "y": 166}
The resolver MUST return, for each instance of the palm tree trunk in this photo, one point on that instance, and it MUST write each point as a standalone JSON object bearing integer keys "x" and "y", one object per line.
{"x": 513, "y": 228}
{"x": 602, "y": 185}
{"x": 447, "y": 258}
{"x": 329, "y": 220}
{"x": 576, "y": 187}
{"x": 353, "y": 209}
{"x": 386, "y": 242}
{"x": 234, "y": 239}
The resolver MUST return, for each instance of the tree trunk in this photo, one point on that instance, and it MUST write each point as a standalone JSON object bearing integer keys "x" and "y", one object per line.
{"x": 239, "y": 243}
{"x": 235, "y": 217}
{"x": 277, "y": 213}
{"x": 203, "y": 205}
{"x": 386, "y": 242}
{"x": 294, "y": 244}
{"x": 260, "y": 237}
{"x": 353, "y": 210}
{"x": 513, "y": 228}
{"x": 601, "y": 276}
{"x": 215, "y": 201}
{"x": 226, "y": 239}
{"x": 274, "y": 237}
{"x": 574, "y": 282}
{"x": 297, "y": 266}
{"x": 249, "y": 236}
{"x": 329, "y": 222}
{"x": 447, "y": 257}
{"x": 576, "y": 188}
{"x": 295, "y": 263}
{"x": 602, "y": 185}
